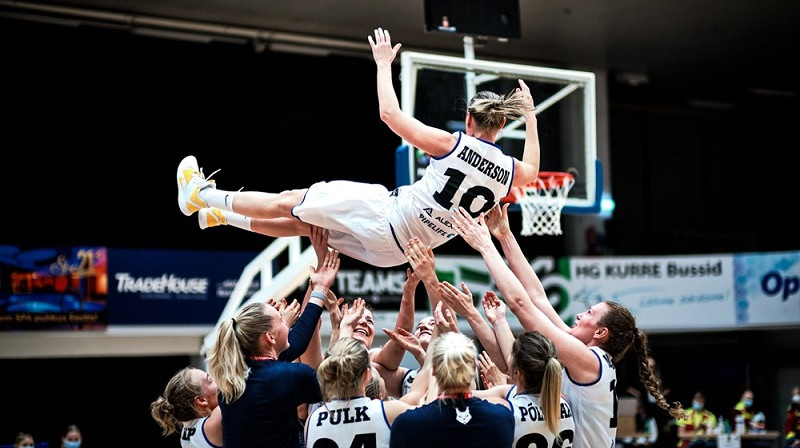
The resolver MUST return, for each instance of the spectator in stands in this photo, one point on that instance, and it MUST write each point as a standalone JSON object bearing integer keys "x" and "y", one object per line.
{"x": 24, "y": 440}
{"x": 746, "y": 409}
{"x": 699, "y": 423}
{"x": 754, "y": 421}
{"x": 665, "y": 432}
{"x": 72, "y": 438}
{"x": 791, "y": 425}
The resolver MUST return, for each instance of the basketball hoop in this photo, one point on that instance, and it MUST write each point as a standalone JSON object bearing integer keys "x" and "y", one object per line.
{"x": 541, "y": 202}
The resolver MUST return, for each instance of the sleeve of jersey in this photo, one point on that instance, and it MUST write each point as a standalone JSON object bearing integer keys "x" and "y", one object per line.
{"x": 397, "y": 436}
{"x": 301, "y": 331}
{"x": 311, "y": 393}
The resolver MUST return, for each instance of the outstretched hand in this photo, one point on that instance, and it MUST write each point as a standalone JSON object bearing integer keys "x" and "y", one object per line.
{"x": 526, "y": 94}
{"x": 326, "y": 273}
{"x": 475, "y": 233}
{"x": 493, "y": 307}
{"x": 496, "y": 220}
{"x": 319, "y": 241}
{"x": 289, "y": 311}
{"x": 405, "y": 339}
{"x": 422, "y": 260}
{"x": 446, "y": 320}
{"x": 382, "y": 49}
{"x": 333, "y": 304}
{"x": 490, "y": 373}
{"x": 459, "y": 301}
{"x": 412, "y": 280}
{"x": 351, "y": 314}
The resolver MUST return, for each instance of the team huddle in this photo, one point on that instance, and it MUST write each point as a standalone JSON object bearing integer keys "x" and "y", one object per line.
{"x": 270, "y": 381}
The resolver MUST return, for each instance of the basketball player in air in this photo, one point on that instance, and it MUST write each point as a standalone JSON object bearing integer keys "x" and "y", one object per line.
{"x": 367, "y": 221}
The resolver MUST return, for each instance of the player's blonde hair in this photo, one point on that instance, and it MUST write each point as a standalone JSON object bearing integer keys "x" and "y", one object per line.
{"x": 176, "y": 404}
{"x": 237, "y": 339}
{"x": 453, "y": 361}
{"x": 490, "y": 110}
{"x": 340, "y": 373}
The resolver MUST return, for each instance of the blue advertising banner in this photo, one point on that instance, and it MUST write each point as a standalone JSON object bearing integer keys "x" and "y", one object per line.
{"x": 53, "y": 288}
{"x": 163, "y": 287}
{"x": 89, "y": 288}
{"x": 767, "y": 289}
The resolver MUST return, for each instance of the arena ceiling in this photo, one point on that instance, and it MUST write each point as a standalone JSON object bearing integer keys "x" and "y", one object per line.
{"x": 636, "y": 41}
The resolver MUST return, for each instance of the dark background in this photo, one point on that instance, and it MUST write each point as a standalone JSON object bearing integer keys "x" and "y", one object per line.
{"x": 94, "y": 123}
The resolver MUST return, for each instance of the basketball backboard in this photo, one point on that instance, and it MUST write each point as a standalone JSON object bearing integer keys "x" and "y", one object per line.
{"x": 435, "y": 89}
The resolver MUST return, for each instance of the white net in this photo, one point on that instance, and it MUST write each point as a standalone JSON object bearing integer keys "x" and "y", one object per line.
{"x": 541, "y": 203}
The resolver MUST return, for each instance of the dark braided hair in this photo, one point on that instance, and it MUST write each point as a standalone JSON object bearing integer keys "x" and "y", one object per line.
{"x": 623, "y": 334}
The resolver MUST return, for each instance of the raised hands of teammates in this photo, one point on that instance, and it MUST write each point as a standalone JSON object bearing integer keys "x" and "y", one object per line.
{"x": 490, "y": 375}
{"x": 289, "y": 311}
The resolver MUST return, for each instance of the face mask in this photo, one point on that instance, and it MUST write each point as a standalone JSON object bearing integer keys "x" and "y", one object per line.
{"x": 69, "y": 444}
{"x": 747, "y": 403}
{"x": 697, "y": 406}
{"x": 795, "y": 398}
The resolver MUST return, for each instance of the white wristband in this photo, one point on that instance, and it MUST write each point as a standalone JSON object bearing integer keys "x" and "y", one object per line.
{"x": 319, "y": 295}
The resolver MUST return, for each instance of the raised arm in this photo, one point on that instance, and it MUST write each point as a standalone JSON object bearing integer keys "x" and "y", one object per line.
{"x": 461, "y": 303}
{"x": 320, "y": 282}
{"x": 391, "y": 354}
{"x": 388, "y": 358}
{"x": 446, "y": 321}
{"x": 419, "y": 388}
{"x": 290, "y": 311}
{"x": 495, "y": 311}
{"x": 351, "y": 313}
{"x": 497, "y": 222}
{"x": 313, "y": 354}
{"x": 526, "y": 170}
{"x": 422, "y": 260}
{"x": 573, "y": 354}
{"x": 433, "y": 141}
{"x": 335, "y": 316}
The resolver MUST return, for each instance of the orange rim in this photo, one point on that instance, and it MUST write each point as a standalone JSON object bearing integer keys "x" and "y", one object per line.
{"x": 546, "y": 179}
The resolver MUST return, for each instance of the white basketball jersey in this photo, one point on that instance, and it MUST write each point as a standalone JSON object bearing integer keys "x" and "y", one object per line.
{"x": 356, "y": 422}
{"x": 475, "y": 175}
{"x": 192, "y": 435}
{"x": 530, "y": 429}
{"x": 593, "y": 405}
{"x": 408, "y": 380}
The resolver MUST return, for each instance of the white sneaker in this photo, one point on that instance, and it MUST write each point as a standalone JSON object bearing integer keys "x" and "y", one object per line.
{"x": 211, "y": 217}
{"x": 190, "y": 181}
